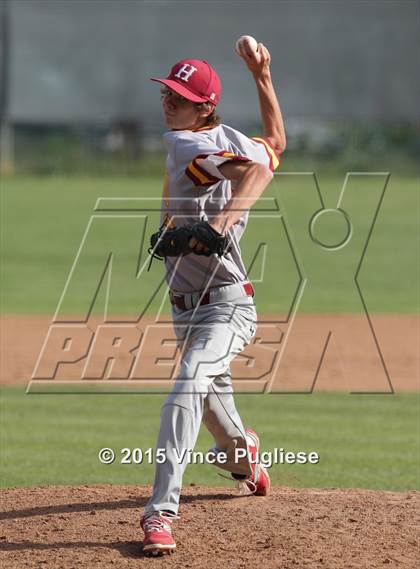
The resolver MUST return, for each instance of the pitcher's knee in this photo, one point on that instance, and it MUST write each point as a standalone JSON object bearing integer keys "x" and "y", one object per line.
{"x": 187, "y": 393}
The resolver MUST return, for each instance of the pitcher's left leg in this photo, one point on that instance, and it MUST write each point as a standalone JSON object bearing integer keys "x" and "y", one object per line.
{"x": 207, "y": 357}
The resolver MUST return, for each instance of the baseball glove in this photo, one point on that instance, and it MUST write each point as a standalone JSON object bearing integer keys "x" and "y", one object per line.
{"x": 215, "y": 242}
{"x": 176, "y": 242}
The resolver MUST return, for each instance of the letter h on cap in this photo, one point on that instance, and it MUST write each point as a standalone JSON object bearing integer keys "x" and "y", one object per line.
{"x": 185, "y": 72}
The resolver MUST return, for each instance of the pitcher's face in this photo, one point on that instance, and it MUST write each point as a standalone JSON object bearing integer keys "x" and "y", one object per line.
{"x": 180, "y": 113}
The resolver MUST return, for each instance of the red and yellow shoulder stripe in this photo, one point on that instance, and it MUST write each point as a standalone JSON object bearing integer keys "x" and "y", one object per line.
{"x": 272, "y": 154}
{"x": 199, "y": 175}
{"x": 232, "y": 156}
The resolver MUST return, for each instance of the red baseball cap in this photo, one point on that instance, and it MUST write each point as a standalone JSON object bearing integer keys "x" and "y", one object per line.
{"x": 194, "y": 79}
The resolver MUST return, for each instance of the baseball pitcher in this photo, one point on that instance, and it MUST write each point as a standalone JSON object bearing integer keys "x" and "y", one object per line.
{"x": 214, "y": 174}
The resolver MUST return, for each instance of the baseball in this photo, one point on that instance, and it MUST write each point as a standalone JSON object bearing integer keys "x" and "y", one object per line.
{"x": 246, "y": 44}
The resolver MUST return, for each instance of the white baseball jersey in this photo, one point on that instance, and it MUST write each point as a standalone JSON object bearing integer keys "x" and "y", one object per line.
{"x": 195, "y": 189}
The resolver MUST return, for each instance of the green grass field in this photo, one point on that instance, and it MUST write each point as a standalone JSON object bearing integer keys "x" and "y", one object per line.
{"x": 363, "y": 441}
{"x": 45, "y": 219}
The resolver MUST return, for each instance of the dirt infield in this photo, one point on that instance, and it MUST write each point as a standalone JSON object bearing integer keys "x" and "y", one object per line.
{"x": 98, "y": 526}
{"x": 397, "y": 335}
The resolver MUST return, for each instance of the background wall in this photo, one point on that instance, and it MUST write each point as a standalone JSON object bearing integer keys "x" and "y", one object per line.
{"x": 84, "y": 60}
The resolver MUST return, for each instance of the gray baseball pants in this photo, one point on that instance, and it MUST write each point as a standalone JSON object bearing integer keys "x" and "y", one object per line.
{"x": 210, "y": 337}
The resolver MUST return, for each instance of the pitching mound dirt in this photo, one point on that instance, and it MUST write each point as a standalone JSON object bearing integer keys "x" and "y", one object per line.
{"x": 98, "y": 526}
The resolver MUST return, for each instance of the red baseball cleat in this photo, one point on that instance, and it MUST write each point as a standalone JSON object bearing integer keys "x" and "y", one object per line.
{"x": 158, "y": 532}
{"x": 258, "y": 483}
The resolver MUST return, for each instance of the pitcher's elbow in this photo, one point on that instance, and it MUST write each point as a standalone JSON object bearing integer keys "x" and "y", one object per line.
{"x": 280, "y": 145}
